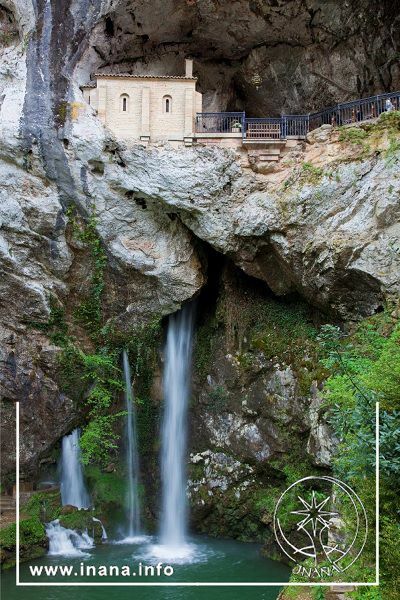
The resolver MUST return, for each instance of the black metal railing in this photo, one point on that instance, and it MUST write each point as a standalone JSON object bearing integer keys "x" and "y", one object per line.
{"x": 228, "y": 122}
{"x": 364, "y": 109}
{"x": 297, "y": 126}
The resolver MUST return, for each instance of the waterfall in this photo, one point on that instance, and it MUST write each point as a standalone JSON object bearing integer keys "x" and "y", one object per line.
{"x": 73, "y": 490}
{"x": 103, "y": 529}
{"x": 132, "y": 455}
{"x": 67, "y": 542}
{"x": 173, "y": 456}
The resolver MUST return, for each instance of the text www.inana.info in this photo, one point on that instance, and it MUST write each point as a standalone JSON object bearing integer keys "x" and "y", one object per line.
{"x": 85, "y": 570}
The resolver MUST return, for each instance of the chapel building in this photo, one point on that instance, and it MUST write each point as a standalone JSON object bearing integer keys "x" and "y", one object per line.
{"x": 148, "y": 108}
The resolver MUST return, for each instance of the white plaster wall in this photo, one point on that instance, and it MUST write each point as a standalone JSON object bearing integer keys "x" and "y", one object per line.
{"x": 128, "y": 125}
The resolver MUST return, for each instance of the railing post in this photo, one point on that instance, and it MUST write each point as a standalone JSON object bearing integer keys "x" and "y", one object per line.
{"x": 284, "y": 126}
{"x": 308, "y": 125}
{"x": 377, "y": 105}
{"x": 244, "y": 126}
{"x": 374, "y": 108}
{"x": 339, "y": 116}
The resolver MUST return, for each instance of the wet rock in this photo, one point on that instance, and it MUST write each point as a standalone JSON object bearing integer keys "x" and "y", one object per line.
{"x": 110, "y": 468}
{"x": 231, "y": 431}
{"x": 82, "y": 521}
{"x": 68, "y": 509}
{"x": 322, "y": 443}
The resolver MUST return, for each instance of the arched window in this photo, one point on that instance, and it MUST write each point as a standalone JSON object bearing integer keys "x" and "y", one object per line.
{"x": 167, "y": 104}
{"x": 124, "y": 102}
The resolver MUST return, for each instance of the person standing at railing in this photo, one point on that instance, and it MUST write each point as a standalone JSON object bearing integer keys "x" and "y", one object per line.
{"x": 389, "y": 106}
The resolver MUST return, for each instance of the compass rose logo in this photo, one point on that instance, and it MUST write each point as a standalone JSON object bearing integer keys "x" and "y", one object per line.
{"x": 314, "y": 514}
{"x": 308, "y": 523}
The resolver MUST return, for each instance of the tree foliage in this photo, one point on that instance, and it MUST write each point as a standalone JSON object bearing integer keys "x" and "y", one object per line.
{"x": 365, "y": 369}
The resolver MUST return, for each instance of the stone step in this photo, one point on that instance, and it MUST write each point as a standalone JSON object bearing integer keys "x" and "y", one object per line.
{"x": 267, "y": 153}
{"x": 264, "y": 142}
{"x": 270, "y": 151}
{"x": 7, "y": 501}
{"x": 341, "y": 587}
{"x": 269, "y": 157}
{"x": 338, "y": 592}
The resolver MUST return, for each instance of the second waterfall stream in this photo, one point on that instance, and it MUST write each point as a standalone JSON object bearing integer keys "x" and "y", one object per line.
{"x": 73, "y": 488}
{"x": 132, "y": 458}
{"x": 177, "y": 370}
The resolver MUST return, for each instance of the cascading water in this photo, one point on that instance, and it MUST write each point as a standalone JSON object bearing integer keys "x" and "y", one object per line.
{"x": 173, "y": 457}
{"x": 132, "y": 456}
{"x": 67, "y": 542}
{"x": 104, "y": 536}
{"x": 73, "y": 489}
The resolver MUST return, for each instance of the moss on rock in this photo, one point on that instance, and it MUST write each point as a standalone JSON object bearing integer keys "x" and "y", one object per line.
{"x": 44, "y": 505}
{"x": 82, "y": 520}
{"x": 108, "y": 489}
{"x": 32, "y": 541}
{"x": 255, "y": 378}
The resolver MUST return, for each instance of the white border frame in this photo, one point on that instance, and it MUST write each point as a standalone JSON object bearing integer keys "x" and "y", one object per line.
{"x": 202, "y": 584}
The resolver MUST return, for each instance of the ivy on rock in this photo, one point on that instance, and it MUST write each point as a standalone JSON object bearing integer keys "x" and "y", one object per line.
{"x": 92, "y": 375}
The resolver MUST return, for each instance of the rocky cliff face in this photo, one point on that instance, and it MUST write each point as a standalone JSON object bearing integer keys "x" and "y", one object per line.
{"x": 257, "y": 417}
{"x": 308, "y": 54}
{"x": 323, "y": 224}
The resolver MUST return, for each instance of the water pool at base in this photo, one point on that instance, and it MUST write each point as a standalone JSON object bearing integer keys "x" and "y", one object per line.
{"x": 207, "y": 559}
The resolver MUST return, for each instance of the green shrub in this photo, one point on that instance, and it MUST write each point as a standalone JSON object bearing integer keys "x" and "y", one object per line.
{"x": 354, "y": 135}
{"x": 390, "y": 553}
{"x": 99, "y": 439}
{"x": 318, "y": 593}
{"x": 89, "y": 311}
{"x": 31, "y": 532}
{"x": 310, "y": 173}
{"x": 372, "y": 593}
{"x": 389, "y": 120}
{"x": 43, "y": 505}
{"x": 384, "y": 374}
{"x": 56, "y": 327}
{"x": 365, "y": 367}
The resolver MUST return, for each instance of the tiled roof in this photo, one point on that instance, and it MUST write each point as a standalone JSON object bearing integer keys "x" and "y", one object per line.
{"x": 91, "y": 84}
{"x": 123, "y": 75}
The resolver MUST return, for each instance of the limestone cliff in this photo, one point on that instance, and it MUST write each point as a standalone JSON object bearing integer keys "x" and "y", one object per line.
{"x": 323, "y": 224}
